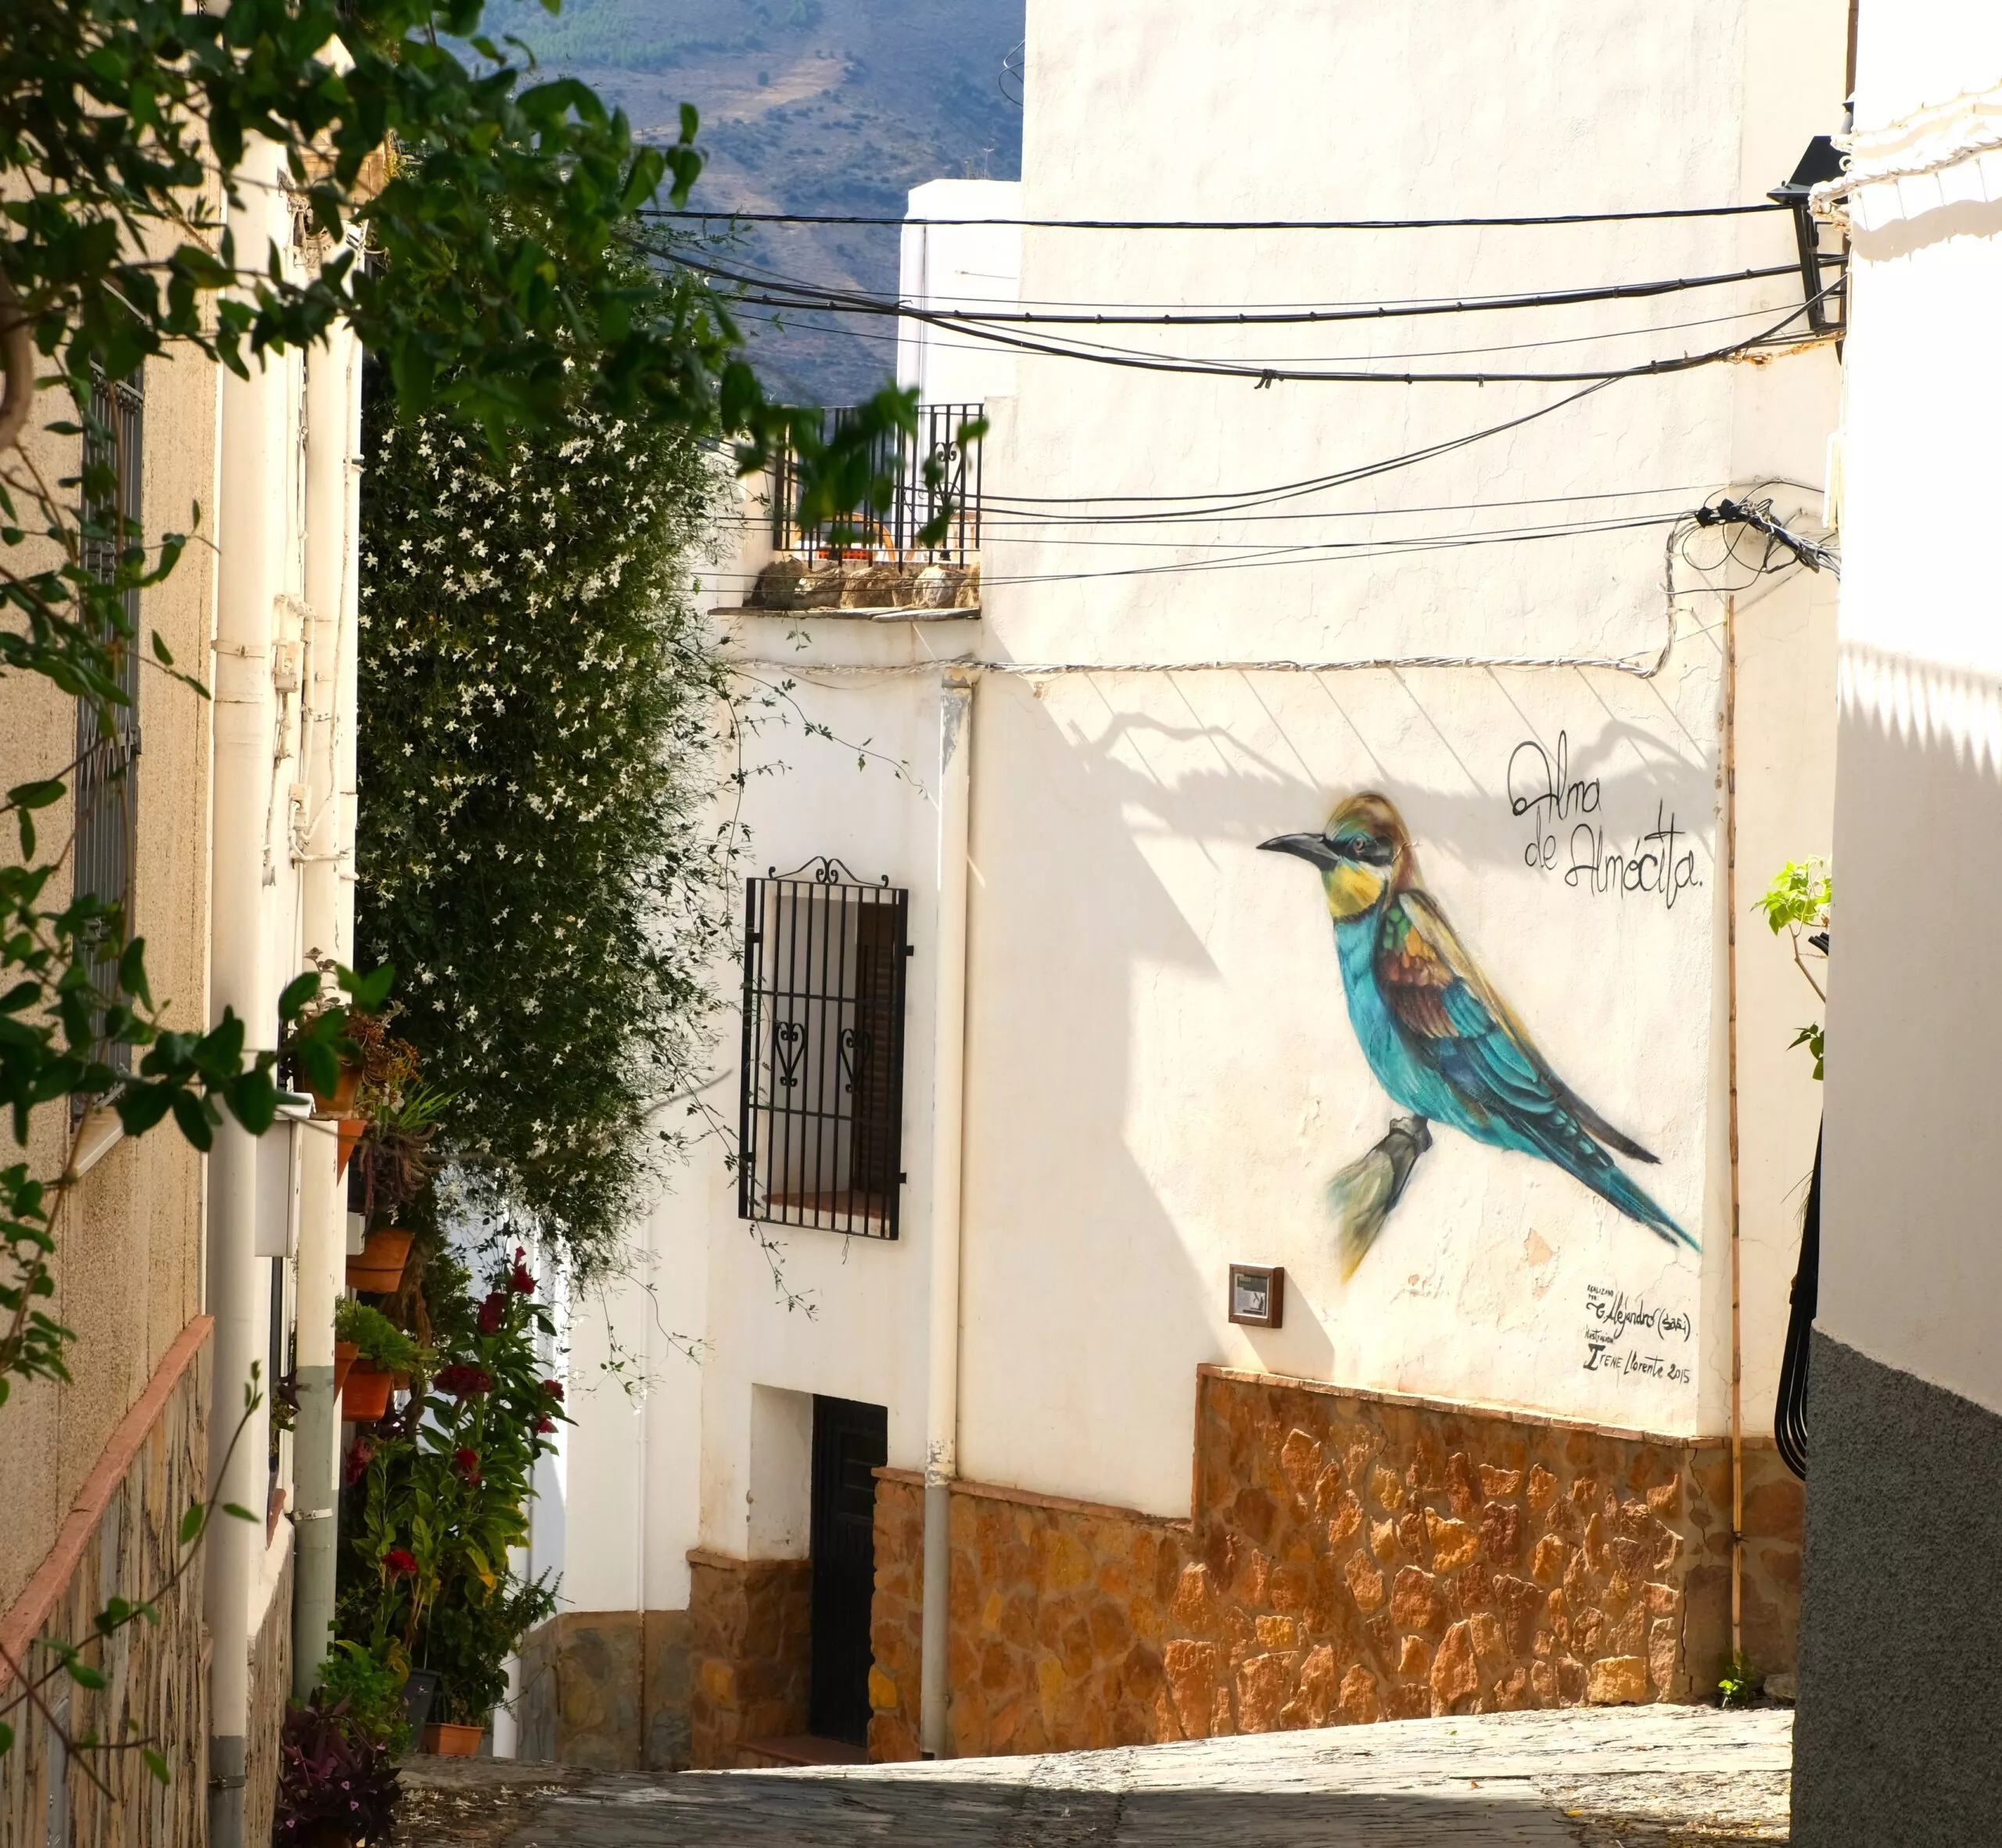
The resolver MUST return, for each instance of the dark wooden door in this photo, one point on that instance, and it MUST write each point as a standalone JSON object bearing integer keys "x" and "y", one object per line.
{"x": 850, "y": 1442}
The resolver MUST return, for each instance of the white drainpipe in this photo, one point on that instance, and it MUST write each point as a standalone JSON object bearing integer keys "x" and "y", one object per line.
{"x": 942, "y": 1432}
{"x": 333, "y": 441}
{"x": 249, "y": 529}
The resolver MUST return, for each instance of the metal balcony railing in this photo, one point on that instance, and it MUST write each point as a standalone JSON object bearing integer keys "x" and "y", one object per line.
{"x": 892, "y": 535}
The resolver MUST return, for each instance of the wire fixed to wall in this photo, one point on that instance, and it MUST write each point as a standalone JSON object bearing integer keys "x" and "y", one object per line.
{"x": 1758, "y": 516}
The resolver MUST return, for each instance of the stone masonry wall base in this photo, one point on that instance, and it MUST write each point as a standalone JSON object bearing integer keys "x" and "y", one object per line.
{"x": 1351, "y": 1557}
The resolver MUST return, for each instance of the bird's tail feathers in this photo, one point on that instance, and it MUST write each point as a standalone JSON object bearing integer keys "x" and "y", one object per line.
{"x": 1611, "y": 1183}
{"x": 1362, "y": 1195}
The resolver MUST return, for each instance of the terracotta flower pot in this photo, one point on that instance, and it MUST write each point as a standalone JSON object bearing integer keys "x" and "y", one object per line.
{"x": 380, "y": 1267}
{"x": 448, "y": 1740}
{"x": 340, "y": 1100}
{"x": 349, "y": 1139}
{"x": 368, "y": 1394}
{"x": 346, "y": 1355}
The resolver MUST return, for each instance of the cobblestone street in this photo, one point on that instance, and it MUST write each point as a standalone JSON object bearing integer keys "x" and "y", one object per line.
{"x": 1659, "y": 1777}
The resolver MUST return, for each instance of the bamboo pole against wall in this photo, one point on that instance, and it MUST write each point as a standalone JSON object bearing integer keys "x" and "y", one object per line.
{"x": 1737, "y": 1268}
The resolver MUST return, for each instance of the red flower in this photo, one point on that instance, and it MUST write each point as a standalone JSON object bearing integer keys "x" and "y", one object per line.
{"x": 465, "y": 1465}
{"x": 554, "y": 1389}
{"x": 401, "y": 1562}
{"x": 357, "y": 1461}
{"x": 463, "y": 1381}
{"x": 493, "y": 1312}
{"x": 520, "y": 1282}
{"x": 545, "y": 1424}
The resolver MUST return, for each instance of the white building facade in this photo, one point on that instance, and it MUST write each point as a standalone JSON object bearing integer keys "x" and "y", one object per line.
{"x": 1093, "y": 1475}
{"x": 1905, "y": 1398}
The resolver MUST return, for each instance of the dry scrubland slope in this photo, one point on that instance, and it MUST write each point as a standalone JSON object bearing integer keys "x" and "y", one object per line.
{"x": 808, "y": 105}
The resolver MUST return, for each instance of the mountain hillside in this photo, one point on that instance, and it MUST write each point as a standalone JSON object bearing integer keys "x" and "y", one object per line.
{"x": 807, "y": 106}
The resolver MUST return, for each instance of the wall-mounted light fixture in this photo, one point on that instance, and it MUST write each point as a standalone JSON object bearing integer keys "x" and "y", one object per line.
{"x": 1824, "y": 248}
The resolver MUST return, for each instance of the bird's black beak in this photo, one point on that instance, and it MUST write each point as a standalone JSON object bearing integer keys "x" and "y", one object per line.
{"x": 1306, "y": 847}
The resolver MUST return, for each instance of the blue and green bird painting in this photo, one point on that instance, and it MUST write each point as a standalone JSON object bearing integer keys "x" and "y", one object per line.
{"x": 1439, "y": 1037}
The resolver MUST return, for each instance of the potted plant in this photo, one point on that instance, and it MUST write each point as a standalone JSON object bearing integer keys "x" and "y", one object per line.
{"x": 381, "y": 1352}
{"x": 337, "y": 1040}
{"x": 372, "y": 1685}
{"x": 337, "y": 1785}
{"x": 347, "y": 1136}
{"x": 379, "y": 1268}
{"x": 401, "y": 1115}
{"x": 468, "y": 1642}
{"x": 339, "y": 1102}
{"x": 392, "y": 1166}
{"x": 448, "y": 1739}
{"x": 440, "y": 1499}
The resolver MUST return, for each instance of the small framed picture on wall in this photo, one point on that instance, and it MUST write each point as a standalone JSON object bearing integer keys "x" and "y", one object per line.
{"x": 1257, "y": 1294}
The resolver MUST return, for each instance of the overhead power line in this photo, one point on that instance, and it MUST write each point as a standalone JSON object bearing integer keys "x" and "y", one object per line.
{"x": 1327, "y": 551}
{"x": 1260, "y": 374}
{"x": 1010, "y": 523}
{"x": 1229, "y": 224}
{"x": 1476, "y": 304}
{"x": 1335, "y": 551}
{"x": 1012, "y": 302}
{"x": 795, "y": 320}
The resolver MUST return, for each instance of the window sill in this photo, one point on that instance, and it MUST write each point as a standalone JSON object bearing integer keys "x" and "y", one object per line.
{"x": 101, "y": 1133}
{"x": 834, "y": 1210}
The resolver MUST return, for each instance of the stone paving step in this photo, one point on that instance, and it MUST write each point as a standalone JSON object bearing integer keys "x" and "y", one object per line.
{"x": 798, "y": 1749}
{"x": 1659, "y": 1775}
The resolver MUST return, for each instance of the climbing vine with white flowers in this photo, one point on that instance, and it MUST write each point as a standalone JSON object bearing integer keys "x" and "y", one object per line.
{"x": 539, "y": 856}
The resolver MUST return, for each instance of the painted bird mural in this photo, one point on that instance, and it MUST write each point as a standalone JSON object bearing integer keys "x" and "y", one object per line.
{"x": 1441, "y": 1040}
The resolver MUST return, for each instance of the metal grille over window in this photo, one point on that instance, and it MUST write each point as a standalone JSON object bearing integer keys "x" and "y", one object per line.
{"x": 821, "y": 1123}
{"x": 915, "y": 501}
{"x": 107, "y": 776}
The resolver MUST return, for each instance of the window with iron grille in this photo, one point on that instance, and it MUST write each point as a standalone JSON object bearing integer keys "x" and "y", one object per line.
{"x": 821, "y": 1121}
{"x": 105, "y": 779}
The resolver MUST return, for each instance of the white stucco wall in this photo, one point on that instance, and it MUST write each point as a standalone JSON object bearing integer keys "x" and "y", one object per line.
{"x": 1910, "y": 1273}
{"x": 975, "y": 267}
{"x": 1161, "y": 1073}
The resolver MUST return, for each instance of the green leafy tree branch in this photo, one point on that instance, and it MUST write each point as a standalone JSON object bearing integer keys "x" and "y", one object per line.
{"x": 1798, "y": 902}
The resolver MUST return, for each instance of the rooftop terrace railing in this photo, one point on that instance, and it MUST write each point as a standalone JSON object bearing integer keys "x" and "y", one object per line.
{"x": 893, "y": 534}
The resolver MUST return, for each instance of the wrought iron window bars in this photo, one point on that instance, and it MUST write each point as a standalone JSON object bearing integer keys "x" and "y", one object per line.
{"x": 821, "y": 1103}
{"x": 105, "y": 783}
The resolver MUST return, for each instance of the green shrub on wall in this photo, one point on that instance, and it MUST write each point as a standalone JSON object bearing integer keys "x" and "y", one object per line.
{"x": 538, "y": 704}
